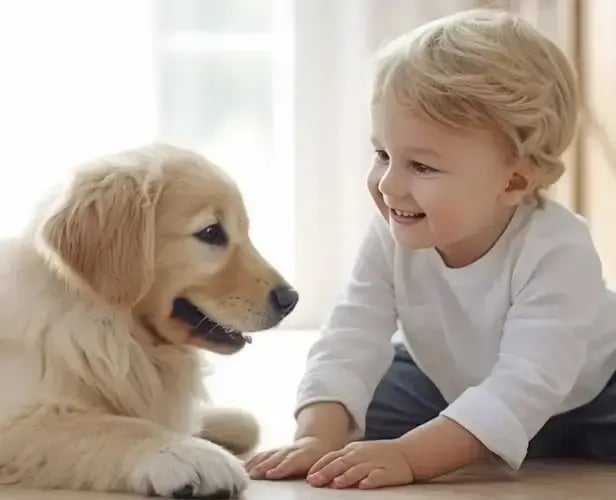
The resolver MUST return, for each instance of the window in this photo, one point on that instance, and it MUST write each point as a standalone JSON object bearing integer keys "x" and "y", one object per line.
{"x": 76, "y": 83}
{"x": 224, "y": 89}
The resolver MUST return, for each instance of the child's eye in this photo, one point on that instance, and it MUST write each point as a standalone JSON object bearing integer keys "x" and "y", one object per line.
{"x": 381, "y": 155}
{"x": 420, "y": 168}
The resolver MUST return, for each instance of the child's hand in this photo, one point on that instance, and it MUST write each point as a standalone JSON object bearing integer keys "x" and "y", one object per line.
{"x": 367, "y": 465}
{"x": 290, "y": 461}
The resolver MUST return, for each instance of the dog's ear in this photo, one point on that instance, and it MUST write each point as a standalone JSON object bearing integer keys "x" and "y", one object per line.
{"x": 101, "y": 233}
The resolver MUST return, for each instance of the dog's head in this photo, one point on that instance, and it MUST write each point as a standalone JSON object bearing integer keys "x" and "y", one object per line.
{"x": 163, "y": 233}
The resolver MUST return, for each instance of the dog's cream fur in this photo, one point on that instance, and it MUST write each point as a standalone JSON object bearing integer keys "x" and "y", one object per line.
{"x": 100, "y": 388}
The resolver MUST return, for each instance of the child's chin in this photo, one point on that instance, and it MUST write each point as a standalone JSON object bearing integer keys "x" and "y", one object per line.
{"x": 405, "y": 239}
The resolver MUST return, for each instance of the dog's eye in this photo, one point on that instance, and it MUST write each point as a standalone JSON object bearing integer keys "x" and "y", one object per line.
{"x": 212, "y": 235}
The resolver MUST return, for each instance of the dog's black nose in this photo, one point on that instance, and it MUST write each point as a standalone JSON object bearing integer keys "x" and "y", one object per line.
{"x": 284, "y": 299}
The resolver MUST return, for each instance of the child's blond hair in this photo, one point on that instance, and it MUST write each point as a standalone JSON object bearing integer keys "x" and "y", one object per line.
{"x": 489, "y": 69}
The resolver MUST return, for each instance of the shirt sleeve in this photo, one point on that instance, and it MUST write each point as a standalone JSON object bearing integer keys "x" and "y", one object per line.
{"x": 542, "y": 352}
{"x": 354, "y": 351}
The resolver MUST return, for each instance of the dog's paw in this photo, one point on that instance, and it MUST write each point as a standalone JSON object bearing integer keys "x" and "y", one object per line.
{"x": 191, "y": 468}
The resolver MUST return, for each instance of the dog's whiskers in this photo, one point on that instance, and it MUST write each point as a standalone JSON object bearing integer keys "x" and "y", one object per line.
{"x": 210, "y": 330}
{"x": 200, "y": 323}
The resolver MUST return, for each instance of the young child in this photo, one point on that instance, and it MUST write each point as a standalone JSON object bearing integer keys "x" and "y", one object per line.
{"x": 509, "y": 330}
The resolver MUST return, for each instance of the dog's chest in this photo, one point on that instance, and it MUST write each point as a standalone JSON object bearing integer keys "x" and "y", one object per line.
{"x": 178, "y": 406}
{"x": 20, "y": 375}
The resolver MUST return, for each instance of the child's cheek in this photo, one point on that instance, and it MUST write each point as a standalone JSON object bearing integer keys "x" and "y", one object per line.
{"x": 443, "y": 210}
{"x": 374, "y": 178}
{"x": 449, "y": 220}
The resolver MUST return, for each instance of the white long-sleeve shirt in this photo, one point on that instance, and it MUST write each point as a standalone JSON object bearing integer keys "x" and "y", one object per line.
{"x": 525, "y": 332}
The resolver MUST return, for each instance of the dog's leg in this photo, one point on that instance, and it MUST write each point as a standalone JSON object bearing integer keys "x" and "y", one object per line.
{"x": 235, "y": 430}
{"x": 63, "y": 447}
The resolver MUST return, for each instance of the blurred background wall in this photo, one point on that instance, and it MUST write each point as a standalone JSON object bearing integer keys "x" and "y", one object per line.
{"x": 277, "y": 92}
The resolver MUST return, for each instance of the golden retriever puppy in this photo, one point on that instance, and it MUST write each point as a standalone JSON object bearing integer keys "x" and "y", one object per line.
{"x": 140, "y": 262}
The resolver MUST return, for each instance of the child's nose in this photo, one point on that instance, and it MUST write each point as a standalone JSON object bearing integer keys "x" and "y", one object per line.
{"x": 393, "y": 183}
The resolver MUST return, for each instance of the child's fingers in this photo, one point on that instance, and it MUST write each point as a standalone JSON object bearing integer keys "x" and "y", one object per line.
{"x": 331, "y": 470}
{"x": 352, "y": 476}
{"x": 258, "y": 472}
{"x": 377, "y": 478}
{"x": 258, "y": 458}
{"x": 295, "y": 464}
{"x": 325, "y": 460}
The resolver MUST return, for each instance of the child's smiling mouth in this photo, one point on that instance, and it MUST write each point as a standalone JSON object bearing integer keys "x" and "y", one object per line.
{"x": 406, "y": 217}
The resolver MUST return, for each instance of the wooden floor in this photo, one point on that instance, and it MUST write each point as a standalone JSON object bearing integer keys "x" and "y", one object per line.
{"x": 536, "y": 481}
{"x": 273, "y": 365}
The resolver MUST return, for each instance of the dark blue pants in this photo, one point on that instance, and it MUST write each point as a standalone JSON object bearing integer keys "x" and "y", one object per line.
{"x": 407, "y": 398}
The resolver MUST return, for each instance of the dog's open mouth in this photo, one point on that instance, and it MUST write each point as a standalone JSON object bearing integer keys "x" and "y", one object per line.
{"x": 205, "y": 327}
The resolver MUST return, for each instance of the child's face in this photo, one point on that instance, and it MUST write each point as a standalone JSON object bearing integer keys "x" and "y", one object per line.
{"x": 456, "y": 187}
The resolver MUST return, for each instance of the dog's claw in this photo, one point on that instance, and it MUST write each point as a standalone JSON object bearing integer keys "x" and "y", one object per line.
{"x": 188, "y": 491}
{"x": 185, "y": 492}
{"x": 222, "y": 495}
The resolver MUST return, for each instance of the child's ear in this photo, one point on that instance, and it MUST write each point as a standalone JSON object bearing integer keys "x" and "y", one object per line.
{"x": 521, "y": 183}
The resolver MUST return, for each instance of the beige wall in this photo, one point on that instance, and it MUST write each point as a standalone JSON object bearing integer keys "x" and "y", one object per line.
{"x": 599, "y": 158}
